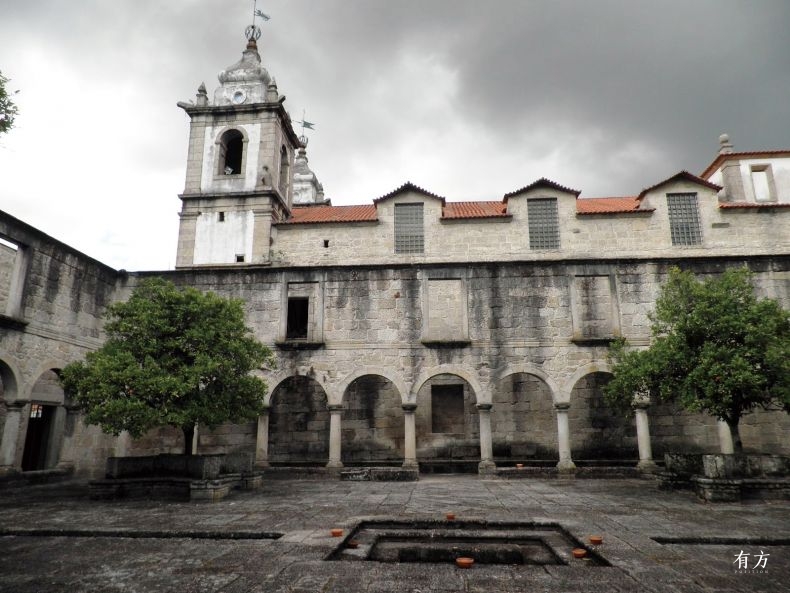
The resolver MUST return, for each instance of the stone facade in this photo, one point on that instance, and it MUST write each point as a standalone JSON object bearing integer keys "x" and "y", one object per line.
{"x": 477, "y": 333}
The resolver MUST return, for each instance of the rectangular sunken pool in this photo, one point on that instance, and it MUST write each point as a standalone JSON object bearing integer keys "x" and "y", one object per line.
{"x": 515, "y": 543}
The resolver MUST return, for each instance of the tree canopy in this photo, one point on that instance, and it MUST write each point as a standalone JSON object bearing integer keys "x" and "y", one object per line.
{"x": 8, "y": 109}
{"x": 716, "y": 348}
{"x": 173, "y": 357}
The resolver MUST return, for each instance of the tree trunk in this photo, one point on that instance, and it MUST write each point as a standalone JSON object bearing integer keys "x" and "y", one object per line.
{"x": 737, "y": 445}
{"x": 189, "y": 434}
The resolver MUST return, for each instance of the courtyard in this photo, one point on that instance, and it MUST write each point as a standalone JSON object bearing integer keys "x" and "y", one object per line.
{"x": 278, "y": 539}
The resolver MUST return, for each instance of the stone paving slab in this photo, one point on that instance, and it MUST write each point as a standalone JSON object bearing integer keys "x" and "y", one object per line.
{"x": 629, "y": 514}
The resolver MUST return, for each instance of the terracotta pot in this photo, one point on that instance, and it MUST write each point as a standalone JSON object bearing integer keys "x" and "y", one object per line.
{"x": 579, "y": 553}
{"x": 464, "y": 562}
{"x": 596, "y": 540}
{"x": 519, "y": 465}
{"x": 336, "y": 532}
{"x": 450, "y": 516}
{"x": 353, "y": 544}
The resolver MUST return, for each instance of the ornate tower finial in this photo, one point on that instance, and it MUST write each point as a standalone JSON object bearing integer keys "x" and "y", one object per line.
{"x": 253, "y": 31}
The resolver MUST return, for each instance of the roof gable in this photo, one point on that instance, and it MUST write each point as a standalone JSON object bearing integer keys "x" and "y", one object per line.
{"x": 682, "y": 176}
{"x": 542, "y": 182}
{"x": 408, "y": 187}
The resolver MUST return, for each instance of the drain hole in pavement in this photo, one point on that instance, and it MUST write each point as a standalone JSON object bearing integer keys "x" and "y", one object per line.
{"x": 442, "y": 542}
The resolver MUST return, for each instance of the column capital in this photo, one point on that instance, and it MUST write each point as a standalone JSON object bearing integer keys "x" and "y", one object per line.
{"x": 335, "y": 407}
{"x": 484, "y": 407}
{"x": 640, "y": 404}
{"x": 265, "y": 409}
{"x": 16, "y": 404}
{"x": 409, "y": 407}
{"x": 562, "y": 406}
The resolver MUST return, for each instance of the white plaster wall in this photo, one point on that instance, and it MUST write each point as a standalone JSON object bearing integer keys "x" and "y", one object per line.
{"x": 780, "y": 167}
{"x": 219, "y": 242}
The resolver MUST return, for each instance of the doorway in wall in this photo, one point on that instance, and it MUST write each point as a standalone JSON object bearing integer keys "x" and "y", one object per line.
{"x": 39, "y": 430}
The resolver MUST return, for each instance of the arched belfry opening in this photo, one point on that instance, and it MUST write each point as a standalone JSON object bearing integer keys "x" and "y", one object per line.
{"x": 231, "y": 153}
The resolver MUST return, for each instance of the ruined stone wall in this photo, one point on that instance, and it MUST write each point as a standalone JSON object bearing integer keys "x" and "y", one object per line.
{"x": 62, "y": 297}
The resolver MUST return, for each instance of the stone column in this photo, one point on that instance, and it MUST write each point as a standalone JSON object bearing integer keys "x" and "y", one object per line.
{"x": 409, "y": 436}
{"x": 646, "y": 463}
{"x": 565, "y": 463}
{"x": 71, "y": 430}
{"x": 195, "y": 437}
{"x": 8, "y": 446}
{"x": 725, "y": 438}
{"x": 335, "y": 410}
{"x": 486, "y": 465}
{"x": 122, "y": 444}
{"x": 262, "y": 440}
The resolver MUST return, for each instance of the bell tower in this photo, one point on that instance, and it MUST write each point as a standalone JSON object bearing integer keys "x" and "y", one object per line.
{"x": 239, "y": 176}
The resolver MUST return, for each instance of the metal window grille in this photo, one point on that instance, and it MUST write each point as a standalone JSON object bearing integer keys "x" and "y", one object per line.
{"x": 544, "y": 224}
{"x": 684, "y": 223}
{"x": 409, "y": 231}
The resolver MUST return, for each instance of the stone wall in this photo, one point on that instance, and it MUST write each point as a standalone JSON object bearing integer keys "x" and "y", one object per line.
{"x": 725, "y": 232}
{"x": 528, "y": 335}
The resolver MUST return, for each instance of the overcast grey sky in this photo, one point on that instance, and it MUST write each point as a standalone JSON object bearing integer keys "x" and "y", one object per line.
{"x": 469, "y": 99}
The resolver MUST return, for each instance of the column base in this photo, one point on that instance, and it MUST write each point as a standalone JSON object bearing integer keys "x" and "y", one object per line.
{"x": 261, "y": 464}
{"x": 334, "y": 464}
{"x": 566, "y": 466}
{"x": 410, "y": 464}
{"x": 647, "y": 466}
{"x": 486, "y": 468}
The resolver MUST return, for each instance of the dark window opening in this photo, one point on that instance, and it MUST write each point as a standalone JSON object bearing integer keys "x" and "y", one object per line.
{"x": 284, "y": 171}
{"x": 447, "y": 409}
{"x": 326, "y": 243}
{"x": 239, "y": 258}
{"x": 39, "y": 428}
{"x": 231, "y": 152}
{"x": 298, "y": 313}
{"x": 222, "y": 217}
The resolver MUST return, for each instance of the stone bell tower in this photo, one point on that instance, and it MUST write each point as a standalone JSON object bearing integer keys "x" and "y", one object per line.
{"x": 239, "y": 176}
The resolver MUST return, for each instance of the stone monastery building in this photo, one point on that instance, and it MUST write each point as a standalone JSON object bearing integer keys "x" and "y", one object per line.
{"x": 412, "y": 329}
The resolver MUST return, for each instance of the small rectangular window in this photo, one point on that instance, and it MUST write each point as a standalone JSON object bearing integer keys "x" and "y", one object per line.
{"x": 297, "y": 322}
{"x": 239, "y": 258}
{"x": 222, "y": 217}
{"x": 544, "y": 225}
{"x": 409, "y": 230}
{"x": 684, "y": 223}
{"x": 326, "y": 243}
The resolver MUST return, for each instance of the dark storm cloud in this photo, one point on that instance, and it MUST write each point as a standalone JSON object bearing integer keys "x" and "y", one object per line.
{"x": 469, "y": 98}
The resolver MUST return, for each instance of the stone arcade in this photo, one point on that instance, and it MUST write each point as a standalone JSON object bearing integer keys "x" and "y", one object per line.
{"x": 410, "y": 330}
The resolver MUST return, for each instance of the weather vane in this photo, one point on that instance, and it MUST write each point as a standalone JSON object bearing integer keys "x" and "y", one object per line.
{"x": 253, "y": 31}
{"x": 306, "y": 125}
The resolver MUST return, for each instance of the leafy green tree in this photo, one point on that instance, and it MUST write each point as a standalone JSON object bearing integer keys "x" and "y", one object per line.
{"x": 8, "y": 109}
{"x": 716, "y": 348}
{"x": 172, "y": 358}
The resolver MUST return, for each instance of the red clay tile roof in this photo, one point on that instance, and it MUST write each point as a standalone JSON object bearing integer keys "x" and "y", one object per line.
{"x": 741, "y": 205}
{"x": 542, "y": 182}
{"x": 324, "y": 214}
{"x": 627, "y": 205}
{"x": 746, "y": 155}
{"x": 408, "y": 186}
{"x": 458, "y": 210}
{"x": 682, "y": 175}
